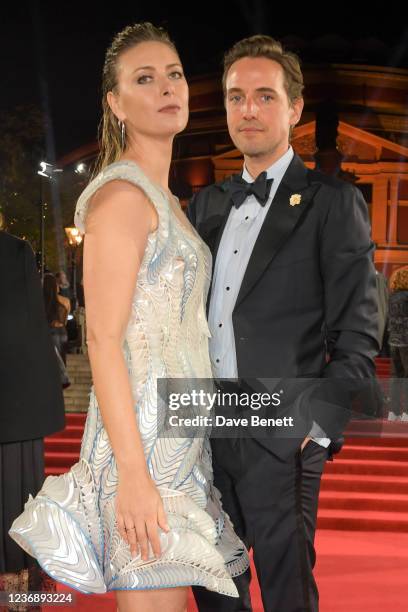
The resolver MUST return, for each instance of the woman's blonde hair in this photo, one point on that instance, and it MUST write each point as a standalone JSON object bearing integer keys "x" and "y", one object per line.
{"x": 399, "y": 280}
{"x": 110, "y": 138}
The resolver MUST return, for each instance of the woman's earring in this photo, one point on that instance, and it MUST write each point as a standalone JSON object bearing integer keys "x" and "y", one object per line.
{"x": 122, "y": 133}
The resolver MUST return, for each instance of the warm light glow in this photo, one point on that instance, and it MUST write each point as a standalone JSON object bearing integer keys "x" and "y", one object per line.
{"x": 73, "y": 235}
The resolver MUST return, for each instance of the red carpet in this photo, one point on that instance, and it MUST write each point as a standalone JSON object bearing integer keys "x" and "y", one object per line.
{"x": 362, "y": 538}
{"x": 355, "y": 572}
{"x": 366, "y": 486}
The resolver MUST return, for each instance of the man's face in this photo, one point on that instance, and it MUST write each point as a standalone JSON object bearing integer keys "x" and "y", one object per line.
{"x": 259, "y": 112}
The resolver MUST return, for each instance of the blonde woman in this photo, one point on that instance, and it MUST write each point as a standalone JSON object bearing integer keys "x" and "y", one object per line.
{"x": 138, "y": 514}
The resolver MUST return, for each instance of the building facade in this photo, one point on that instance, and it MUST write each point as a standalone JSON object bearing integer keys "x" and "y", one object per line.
{"x": 354, "y": 125}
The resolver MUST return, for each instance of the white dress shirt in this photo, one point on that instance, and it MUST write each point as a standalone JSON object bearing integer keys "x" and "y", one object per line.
{"x": 237, "y": 242}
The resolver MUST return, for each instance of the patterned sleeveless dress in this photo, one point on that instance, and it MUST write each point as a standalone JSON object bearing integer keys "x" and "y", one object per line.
{"x": 70, "y": 526}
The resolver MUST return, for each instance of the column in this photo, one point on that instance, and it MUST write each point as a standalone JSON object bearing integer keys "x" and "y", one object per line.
{"x": 393, "y": 216}
{"x": 379, "y": 209}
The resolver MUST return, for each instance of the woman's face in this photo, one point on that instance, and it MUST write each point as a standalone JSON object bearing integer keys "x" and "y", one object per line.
{"x": 152, "y": 93}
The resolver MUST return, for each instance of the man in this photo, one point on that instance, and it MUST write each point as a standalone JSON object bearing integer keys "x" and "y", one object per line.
{"x": 293, "y": 295}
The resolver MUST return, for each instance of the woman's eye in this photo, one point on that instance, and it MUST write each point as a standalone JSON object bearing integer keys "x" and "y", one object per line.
{"x": 144, "y": 79}
{"x": 176, "y": 74}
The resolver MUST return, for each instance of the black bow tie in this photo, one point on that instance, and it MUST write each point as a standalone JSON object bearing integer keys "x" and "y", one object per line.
{"x": 239, "y": 189}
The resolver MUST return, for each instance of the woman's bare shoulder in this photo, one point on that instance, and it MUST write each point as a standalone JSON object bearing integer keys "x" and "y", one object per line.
{"x": 124, "y": 199}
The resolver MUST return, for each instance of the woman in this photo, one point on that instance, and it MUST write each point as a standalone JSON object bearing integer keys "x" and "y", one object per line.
{"x": 398, "y": 341}
{"x": 138, "y": 514}
{"x": 57, "y": 308}
{"x": 64, "y": 288}
{"x": 63, "y": 284}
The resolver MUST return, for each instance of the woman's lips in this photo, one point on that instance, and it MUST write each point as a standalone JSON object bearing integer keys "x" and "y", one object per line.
{"x": 171, "y": 108}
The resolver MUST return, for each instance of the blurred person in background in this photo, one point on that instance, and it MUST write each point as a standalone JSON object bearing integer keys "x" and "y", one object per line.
{"x": 31, "y": 403}
{"x": 64, "y": 287}
{"x": 57, "y": 308}
{"x": 398, "y": 341}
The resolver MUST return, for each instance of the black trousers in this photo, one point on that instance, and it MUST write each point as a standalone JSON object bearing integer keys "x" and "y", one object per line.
{"x": 60, "y": 339}
{"x": 273, "y": 506}
{"x": 21, "y": 473}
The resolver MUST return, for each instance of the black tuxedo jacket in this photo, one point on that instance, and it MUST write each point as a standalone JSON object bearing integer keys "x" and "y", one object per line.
{"x": 31, "y": 400}
{"x": 309, "y": 290}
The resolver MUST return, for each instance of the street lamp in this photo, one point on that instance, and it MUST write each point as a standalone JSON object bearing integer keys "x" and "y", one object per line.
{"x": 46, "y": 171}
{"x": 74, "y": 239}
{"x": 81, "y": 168}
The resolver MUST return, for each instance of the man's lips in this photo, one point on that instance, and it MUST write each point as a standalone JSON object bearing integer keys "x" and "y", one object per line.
{"x": 250, "y": 129}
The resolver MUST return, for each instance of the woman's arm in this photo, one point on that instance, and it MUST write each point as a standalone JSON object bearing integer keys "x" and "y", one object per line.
{"x": 119, "y": 220}
{"x": 65, "y": 302}
{"x": 67, "y": 309}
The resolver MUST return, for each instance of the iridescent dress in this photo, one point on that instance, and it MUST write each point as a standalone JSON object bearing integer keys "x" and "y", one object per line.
{"x": 70, "y": 526}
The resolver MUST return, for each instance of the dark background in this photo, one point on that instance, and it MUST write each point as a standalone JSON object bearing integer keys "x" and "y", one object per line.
{"x": 51, "y": 54}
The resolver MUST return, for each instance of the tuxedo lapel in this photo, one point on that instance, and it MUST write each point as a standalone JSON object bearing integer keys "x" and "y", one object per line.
{"x": 279, "y": 222}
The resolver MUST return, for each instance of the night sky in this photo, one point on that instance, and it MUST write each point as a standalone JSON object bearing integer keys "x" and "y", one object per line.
{"x": 66, "y": 43}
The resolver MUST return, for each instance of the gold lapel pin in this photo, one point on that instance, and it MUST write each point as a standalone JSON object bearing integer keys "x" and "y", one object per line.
{"x": 295, "y": 199}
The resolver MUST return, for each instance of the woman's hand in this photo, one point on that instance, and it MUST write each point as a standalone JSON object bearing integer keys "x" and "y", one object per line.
{"x": 139, "y": 513}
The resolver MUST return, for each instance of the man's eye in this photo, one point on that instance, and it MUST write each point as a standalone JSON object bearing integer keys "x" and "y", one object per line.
{"x": 235, "y": 98}
{"x": 176, "y": 74}
{"x": 144, "y": 79}
{"x": 267, "y": 98}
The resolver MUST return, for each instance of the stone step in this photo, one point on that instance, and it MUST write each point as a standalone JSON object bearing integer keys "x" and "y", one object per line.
{"x": 81, "y": 368}
{"x": 81, "y": 381}
{"x": 76, "y": 401}
{"x": 78, "y": 387}
{"x": 82, "y": 378}
{"x": 78, "y": 390}
{"x": 82, "y": 399}
{"x": 75, "y": 407}
{"x": 77, "y": 361}
{"x": 77, "y": 357}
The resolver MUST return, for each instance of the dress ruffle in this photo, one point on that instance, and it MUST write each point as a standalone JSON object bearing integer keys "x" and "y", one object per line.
{"x": 63, "y": 529}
